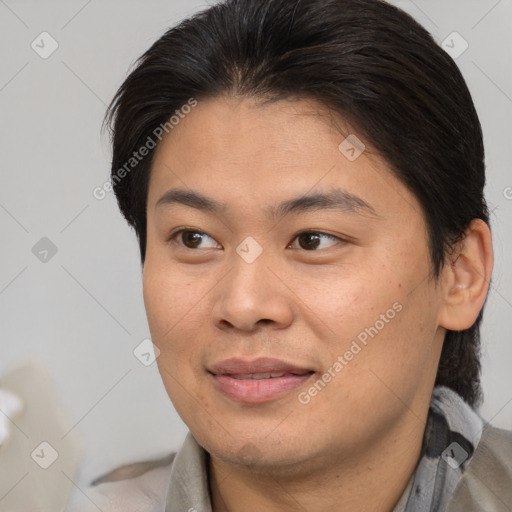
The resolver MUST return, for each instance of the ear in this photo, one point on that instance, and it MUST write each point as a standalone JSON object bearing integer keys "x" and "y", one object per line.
{"x": 466, "y": 277}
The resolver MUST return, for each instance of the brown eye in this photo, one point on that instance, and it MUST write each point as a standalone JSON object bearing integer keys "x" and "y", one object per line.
{"x": 312, "y": 240}
{"x": 191, "y": 239}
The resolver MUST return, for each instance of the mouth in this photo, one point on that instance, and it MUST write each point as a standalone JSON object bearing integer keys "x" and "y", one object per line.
{"x": 259, "y": 376}
{"x": 257, "y": 381}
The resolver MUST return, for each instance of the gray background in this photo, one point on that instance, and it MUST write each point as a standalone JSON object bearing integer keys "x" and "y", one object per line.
{"x": 81, "y": 312}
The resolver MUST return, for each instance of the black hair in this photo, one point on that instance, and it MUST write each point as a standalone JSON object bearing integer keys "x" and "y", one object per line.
{"x": 367, "y": 61}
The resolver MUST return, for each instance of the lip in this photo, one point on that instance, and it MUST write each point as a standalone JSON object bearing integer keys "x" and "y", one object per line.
{"x": 259, "y": 390}
{"x": 236, "y": 365}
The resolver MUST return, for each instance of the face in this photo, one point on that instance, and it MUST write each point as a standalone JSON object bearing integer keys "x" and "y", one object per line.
{"x": 305, "y": 261}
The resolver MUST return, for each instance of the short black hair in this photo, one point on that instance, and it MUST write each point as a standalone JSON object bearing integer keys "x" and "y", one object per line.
{"x": 367, "y": 61}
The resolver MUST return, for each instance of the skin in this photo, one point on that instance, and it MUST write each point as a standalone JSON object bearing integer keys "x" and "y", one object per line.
{"x": 357, "y": 442}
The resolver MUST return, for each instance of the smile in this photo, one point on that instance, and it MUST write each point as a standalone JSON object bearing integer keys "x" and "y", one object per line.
{"x": 256, "y": 388}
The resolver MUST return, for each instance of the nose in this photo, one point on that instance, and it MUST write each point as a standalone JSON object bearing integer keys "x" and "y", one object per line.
{"x": 252, "y": 294}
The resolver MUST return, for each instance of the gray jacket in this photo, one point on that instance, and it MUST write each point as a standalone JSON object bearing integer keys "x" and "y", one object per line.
{"x": 178, "y": 482}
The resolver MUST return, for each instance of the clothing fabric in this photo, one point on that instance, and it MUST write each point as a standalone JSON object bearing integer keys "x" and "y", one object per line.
{"x": 453, "y": 431}
{"x": 40, "y": 455}
{"x": 465, "y": 466}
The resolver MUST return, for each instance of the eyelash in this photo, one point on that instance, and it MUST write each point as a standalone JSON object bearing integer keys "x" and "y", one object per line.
{"x": 174, "y": 236}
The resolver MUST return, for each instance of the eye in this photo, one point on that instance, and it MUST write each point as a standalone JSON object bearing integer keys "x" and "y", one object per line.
{"x": 311, "y": 240}
{"x": 308, "y": 240}
{"x": 191, "y": 238}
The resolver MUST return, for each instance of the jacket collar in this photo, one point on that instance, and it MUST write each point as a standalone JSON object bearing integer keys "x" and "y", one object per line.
{"x": 452, "y": 425}
{"x": 189, "y": 488}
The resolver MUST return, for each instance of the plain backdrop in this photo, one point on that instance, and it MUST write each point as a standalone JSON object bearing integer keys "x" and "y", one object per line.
{"x": 81, "y": 312}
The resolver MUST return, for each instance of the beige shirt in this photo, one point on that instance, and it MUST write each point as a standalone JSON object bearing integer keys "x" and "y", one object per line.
{"x": 42, "y": 452}
{"x": 176, "y": 483}
{"x": 179, "y": 482}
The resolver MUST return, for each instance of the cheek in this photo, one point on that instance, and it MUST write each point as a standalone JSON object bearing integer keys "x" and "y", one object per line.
{"x": 179, "y": 317}
{"x": 169, "y": 297}
{"x": 176, "y": 319}
{"x": 379, "y": 318}
{"x": 350, "y": 299}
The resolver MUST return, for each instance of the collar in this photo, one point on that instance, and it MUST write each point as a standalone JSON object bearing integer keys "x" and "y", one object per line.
{"x": 189, "y": 487}
{"x": 451, "y": 435}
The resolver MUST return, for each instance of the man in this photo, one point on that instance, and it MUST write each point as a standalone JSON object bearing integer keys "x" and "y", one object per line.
{"x": 305, "y": 179}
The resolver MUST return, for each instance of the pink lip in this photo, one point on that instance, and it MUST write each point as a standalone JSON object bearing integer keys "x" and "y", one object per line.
{"x": 260, "y": 365}
{"x": 255, "y": 391}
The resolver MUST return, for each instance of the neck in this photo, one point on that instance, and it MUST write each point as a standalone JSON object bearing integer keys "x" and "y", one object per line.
{"x": 373, "y": 478}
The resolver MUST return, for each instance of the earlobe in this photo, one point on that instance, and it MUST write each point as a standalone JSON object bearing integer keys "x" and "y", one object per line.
{"x": 466, "y": 278}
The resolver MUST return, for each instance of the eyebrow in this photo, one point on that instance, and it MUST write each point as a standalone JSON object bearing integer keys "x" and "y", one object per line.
{"x": 335, "y": 199}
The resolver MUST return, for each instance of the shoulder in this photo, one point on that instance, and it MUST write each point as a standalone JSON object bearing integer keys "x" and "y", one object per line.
{"x": 135, "y": 470}
{"x": 486, "y": 484}
{"x": 137, "y": 486}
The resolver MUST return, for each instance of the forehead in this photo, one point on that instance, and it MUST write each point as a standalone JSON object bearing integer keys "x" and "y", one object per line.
{"x": 239, "y": 150}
